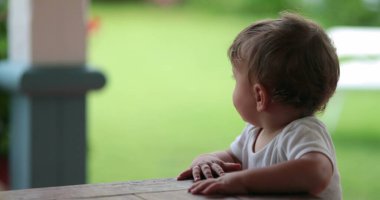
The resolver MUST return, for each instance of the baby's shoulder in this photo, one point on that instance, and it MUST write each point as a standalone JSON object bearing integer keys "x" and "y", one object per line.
{"x": 304, "y": 127}
{"x": 305, "y": 123}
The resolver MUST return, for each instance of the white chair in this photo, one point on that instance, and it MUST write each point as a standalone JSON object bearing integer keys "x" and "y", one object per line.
{"x": 358, "y": 49}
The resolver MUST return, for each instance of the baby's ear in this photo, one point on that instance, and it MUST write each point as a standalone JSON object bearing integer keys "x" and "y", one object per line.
{"x": 261, "y": 97}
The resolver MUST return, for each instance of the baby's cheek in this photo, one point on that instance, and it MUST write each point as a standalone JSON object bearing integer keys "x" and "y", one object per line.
{"x": 234, "y": 97}
{"x": 237, "y": 102}
{"x": 240, "y": 108}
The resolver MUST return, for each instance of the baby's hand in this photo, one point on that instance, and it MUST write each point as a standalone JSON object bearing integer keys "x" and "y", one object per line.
{"x": 228, "y": 184}
{"x": 208, "y": 165}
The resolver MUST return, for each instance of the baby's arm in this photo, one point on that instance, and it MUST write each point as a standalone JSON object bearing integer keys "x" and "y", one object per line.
{"x": 206, "y": 164}
{"x": 311, "y": 173}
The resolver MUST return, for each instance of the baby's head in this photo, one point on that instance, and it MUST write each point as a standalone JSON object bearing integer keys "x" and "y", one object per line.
{"x": 292, "y": 58}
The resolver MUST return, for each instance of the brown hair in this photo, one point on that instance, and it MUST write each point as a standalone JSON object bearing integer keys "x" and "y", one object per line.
{"x": 292, "y": 57}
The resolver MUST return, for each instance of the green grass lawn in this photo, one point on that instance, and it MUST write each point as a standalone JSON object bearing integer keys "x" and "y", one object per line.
{"x": 168, "y": 99}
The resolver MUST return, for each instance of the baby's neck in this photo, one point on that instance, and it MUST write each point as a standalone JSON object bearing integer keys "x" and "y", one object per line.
{"x": 272, "y": 122}
{"x": 278, "y": 117}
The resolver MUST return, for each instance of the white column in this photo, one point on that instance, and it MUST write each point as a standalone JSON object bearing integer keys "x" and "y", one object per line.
{"x": 48, "y": 32}
{"x": 48, "y": 80}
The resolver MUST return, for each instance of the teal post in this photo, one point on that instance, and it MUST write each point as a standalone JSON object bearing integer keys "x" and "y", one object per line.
{"x": 48, "y": 123}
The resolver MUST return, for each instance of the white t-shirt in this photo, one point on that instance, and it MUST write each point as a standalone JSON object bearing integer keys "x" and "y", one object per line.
{"x": 296, "y": 139}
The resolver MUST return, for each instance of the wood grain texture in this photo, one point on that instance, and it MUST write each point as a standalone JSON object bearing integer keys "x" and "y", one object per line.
{"x": 156, "y": 189}
{"x": 105, "y": 190}
{"x": 179, "y": 194}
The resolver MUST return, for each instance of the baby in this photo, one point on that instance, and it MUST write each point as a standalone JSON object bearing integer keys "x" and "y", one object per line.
{"x": 286, "y": 70}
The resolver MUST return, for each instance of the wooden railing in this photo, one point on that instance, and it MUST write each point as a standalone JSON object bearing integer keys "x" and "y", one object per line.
{"x": 157, "y": 189}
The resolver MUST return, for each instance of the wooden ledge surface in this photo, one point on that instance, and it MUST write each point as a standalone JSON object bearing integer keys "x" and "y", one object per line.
{"x": 155, "y": 189}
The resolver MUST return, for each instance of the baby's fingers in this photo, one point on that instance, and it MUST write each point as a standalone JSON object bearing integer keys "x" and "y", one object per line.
{"x": 196, "y": 171}
{"x": 229, "y": 167}
{"x": 214, "y": 188}
{"x": 206, "y": 171}
{"x": 217, "y": 169}
{"x": 185, "y": 175}
{"x": 198, "y": 187}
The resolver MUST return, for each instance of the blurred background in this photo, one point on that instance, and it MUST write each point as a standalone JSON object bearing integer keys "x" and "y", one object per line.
{"x": 169, "y": 87}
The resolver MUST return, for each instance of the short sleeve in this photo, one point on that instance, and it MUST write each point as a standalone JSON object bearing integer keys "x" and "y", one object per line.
{"x": 310, "y": 135}
{"x": 306, "y": 138}
{"x": 238, "y": 144}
